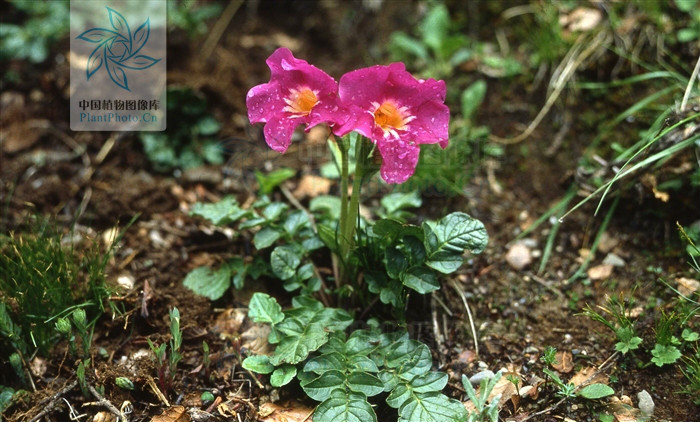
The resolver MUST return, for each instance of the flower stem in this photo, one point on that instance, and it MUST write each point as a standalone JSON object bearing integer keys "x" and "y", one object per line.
{"x": 349, "y": 211}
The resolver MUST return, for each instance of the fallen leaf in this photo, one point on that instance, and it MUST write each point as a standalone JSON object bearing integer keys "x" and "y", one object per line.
{"x": 290, "y": 412}
{"x": 255, "y": 339}
{"x": 312, "y": 186}
{"x": 228, "y": 323}
{"x": 585, "y": 373}
{"x": 564, "y": 363}
{"x": 172, "y": 414}
{"x": 687, "y": 286}
{"x": 600, "y": 272}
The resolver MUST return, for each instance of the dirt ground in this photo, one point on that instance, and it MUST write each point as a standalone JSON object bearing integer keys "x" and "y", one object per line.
{"x": 48, "y": 169}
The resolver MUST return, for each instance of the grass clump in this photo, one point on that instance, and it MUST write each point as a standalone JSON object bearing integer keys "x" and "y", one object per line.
{"x": 43, "y": 280}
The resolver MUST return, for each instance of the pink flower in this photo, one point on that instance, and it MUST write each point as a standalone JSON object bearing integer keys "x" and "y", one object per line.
{"x": 298, "y": 93}
{"x": 397, "y": 112}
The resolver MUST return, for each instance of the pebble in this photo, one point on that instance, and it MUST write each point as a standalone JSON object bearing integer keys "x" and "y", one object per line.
{"x": 600, "y": 272}
{"x": 614, "y": 260}
{"x": 478, "y": 377}
{"x": 646, "y": 403}
{"x": 531, "y": 350}
{"x": 519, "y": 256}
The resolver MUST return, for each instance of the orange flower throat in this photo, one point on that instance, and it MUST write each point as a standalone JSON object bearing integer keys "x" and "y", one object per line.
{"x": 300, "y": 101}
{"x": 391, "y": 118}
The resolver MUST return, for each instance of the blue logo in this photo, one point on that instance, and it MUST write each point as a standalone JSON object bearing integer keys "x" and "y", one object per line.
{"x": 118, "y": 49}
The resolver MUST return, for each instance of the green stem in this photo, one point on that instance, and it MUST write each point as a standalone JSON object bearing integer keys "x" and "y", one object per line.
{"x": 349, "y": 211}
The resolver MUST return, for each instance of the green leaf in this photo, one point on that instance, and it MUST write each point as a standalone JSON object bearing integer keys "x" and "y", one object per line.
{"x": 396, "y": 263}
{"x": 283, "y": 375}
{"x": 223, "y": 212}
{"x": 284, "y": 261}
{"x": 274, "y": 210}
{"x": 628, "y": 341}
{"x": 432, "y": 407}
{"x": 402, "y": 42}
{"x": 320, "y": 388}
{"x": 472, "y": 98}
{"x": 420, "y": 279}
{"x": 259, "y": 364}
{"x": 345, "y": 406}
{"x": 409, "y": 358}
{"x": 432, "y": 381}
{"x": 207, "y": 126}
{"x": 446, "y": 240}
{"x": 330, "y": 205}
{"x": 665, "y": 354}
{"x": 300, "y": 340}
{"x": 596, "y": 391}
{"x": 686, "y": 5}
{"x": 395, "y": 202}
{"x": 296, "y": 221}
{"x": 434, "y": 27}
{"x": 689, "y": 335}
{"x": 211, "y": 284}
{"x": 266, "y": 237}
{"x": 362, "y": 382}
{"x": 426, "y": 383}
{"x": 264, "y": 309}
{"x": 326, "y": 362}
{"x": 270, "y": 181}
{"x": 6, "y": 394}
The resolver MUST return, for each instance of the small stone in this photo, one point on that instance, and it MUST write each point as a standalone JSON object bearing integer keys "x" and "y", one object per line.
{"x": 531, "y": 350}
{"x": 607, "y": 242}
{"x": 519, "y": 256}
{"x": 614, "y": 260}
{"x": 646, "y": 403}
{"x": 600, "y": 272}
{"x": 126, "y": 281}
{"x": 477, "y": 378}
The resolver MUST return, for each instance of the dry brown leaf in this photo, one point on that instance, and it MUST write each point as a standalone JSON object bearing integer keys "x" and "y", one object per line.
{"x": 290, "y": 412}
{"x": 600, "y": 272}
{"x": 172, "y": 414}
{"x": 585, "y": 373}
{"x": 623, "y": 409}
{"x": 312, "y": 186}
{"x": 564, "y": 363}
{"x": 228, "y": 323}
{"x": 687, "y": 286}
{"x": 255, "y": 339}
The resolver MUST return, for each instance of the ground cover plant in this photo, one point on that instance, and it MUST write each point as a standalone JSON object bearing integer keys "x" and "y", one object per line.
{"x": 290, "y": 260}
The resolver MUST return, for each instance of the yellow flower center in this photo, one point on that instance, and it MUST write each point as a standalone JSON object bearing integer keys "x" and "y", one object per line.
{"x": 391, "y": 118}
{"x": 300, "y": 101}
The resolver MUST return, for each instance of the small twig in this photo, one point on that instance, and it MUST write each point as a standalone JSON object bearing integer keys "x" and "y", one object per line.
{"x": 157, "y": 391}
{"x": 469, "y": 314}
{"x": 292, "y": 200}
{"x": 52, "y": 401}
{"x": 546, "y": 285}
{"x": 120, "y": 416}
{"x": 439, "y": 338}
{"x": 219, "y": 28}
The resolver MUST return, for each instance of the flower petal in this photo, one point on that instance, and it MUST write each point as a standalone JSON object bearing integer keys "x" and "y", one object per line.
{"x": 431, "y": 124}
{"x": 263, "y": 101}
{"x": 278, "y": 132}
{"x": 399, "y": 159}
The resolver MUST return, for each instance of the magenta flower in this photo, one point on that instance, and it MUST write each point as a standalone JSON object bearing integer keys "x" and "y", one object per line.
{"x": 298, "y": 93}
{"x": 397, "y": 112}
